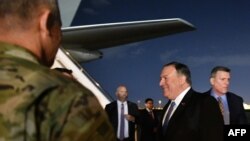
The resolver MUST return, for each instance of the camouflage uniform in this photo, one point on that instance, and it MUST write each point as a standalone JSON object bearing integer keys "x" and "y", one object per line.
{"x": 37, "y": 104}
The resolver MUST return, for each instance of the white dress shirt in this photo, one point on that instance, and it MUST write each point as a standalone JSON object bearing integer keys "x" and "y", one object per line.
{"x": 119, "y": 105}
{"x": 177, "y": 101}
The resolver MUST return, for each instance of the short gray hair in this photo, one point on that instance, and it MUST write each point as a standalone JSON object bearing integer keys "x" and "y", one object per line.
{"x": 219, "y": 68}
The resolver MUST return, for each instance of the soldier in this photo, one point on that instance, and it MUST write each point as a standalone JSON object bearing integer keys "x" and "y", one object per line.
{"x": 36, "y": 103}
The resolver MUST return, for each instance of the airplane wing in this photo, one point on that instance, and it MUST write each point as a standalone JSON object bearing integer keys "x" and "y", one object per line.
{"x": 83, "y": 42}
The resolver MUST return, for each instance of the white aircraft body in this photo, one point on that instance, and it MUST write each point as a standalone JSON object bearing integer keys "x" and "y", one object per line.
{"x": 82, "y": 43}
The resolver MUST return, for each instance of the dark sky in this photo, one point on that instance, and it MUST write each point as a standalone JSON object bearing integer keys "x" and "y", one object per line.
{"x": 222, "y": 38}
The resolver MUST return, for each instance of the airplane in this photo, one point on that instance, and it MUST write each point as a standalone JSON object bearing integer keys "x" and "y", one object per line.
{"x": 83, "y": 43}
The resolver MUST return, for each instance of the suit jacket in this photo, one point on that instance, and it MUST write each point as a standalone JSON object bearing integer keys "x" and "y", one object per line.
{"x": 237, "y": 113}
{"x": 148, "y": 126}
{"x": 197, "y": 118}
{"x": 112, "y": 112}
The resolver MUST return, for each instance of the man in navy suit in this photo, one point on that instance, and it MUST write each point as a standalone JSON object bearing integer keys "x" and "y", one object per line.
{"x": 231, "y": 104}
{"x": 188, "y": 115}
{"x": 148, "y": 122}
{"x": 123, "y": 115}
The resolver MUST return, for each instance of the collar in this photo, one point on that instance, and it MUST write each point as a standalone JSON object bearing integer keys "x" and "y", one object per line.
{"x": 149, "y": 110}
{"x": 179, "y": 98}
{"x": 16, "y": 51}
{"x": 216, "y": 96}
{"x": 119, "y": 102}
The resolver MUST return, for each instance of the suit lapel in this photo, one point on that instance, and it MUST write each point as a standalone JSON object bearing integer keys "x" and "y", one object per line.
{"x": 181, "y": 107}
{"x": 229, "y": 102}
{"x": 164, "y": 110}
{"x": 129, "y": 107}
{"x": 115, "y": 109}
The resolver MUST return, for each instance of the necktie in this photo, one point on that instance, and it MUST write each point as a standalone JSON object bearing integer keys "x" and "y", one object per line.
{"x": 151, "y": 114}
{"x": 164, "y": 127}
{"x": 122, "y": 122}
{"x": 221, "y": 105}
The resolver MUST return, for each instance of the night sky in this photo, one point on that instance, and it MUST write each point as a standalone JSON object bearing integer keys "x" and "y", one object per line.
{"x": 222, "y": 38}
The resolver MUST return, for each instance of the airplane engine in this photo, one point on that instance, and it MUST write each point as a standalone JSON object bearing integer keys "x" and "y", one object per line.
{"x": 84, "y": 56}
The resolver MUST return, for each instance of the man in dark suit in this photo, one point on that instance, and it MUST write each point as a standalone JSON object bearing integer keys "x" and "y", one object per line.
{"x": 123, "y": 115}
{"x": 231, "y": 104}
{"x": 188, "y": 115}
{"x": 148, "y": 122}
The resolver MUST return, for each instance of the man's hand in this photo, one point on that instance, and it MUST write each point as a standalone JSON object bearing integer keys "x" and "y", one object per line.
{"x": 130, "y": 118}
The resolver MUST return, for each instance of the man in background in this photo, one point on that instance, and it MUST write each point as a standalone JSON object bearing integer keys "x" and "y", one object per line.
{"x": 231, "y": 105}
{"x": 123, "y": 115}
{"x": 148, "y": 122}
{"x": 37, "y": 104}
{"x": 188, "y": 115}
